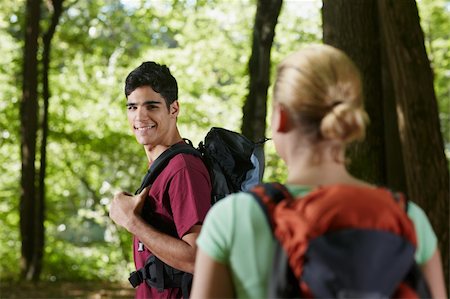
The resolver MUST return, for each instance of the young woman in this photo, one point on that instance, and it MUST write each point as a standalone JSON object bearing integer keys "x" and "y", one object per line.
{"x": 317, "y": 111}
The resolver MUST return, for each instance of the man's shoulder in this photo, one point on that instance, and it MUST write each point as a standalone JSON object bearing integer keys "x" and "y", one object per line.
{"x": 186, "y": 161}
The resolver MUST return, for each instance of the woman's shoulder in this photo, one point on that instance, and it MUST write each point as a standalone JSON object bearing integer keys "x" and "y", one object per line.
{"x": 426, "y": 237}
{"x": 415, "y": 210}
{"x": 234, "y": 203}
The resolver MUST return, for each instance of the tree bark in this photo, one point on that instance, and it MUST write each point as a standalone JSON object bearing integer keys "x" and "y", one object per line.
{"x": 352, "y": 26}
{"x": 395, "y": 168}
{"x": 427, "y": 175}
{"x": 28, "y": 129}
{"x": 255, "y": 107}
{"x": 39, "y": 229}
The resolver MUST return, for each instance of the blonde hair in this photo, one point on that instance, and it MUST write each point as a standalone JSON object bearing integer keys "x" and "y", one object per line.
{"x": 321, "y": 87}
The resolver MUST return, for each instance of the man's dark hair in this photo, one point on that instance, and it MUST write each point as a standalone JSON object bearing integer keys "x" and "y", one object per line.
{"x": 157, "y": 76}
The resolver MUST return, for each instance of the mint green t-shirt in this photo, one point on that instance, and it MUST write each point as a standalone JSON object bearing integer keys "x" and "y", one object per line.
{"x": 426, "y": 238}
{"x": 236, "y": 233}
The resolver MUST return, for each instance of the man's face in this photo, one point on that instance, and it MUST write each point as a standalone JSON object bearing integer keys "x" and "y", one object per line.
{"x": 149, "y": 118}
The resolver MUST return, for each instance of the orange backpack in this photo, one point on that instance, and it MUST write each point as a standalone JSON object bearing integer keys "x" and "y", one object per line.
{"x": 341, "y": 242}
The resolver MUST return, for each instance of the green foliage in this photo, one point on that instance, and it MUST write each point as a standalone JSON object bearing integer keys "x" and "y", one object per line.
{"x": 9, "y": 146}
{"x": 435, "y": 22}
{"x": 66, "y": 261}
{"x": 299, "y": 23}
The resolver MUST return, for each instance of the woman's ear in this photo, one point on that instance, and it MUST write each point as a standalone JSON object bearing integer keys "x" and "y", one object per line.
{"x": 283, "y": 124}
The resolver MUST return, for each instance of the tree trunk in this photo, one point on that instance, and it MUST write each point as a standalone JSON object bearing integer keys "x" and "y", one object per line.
{"x": 352, "y": 26}
{"x": 395, "y": 168}
{"x": 255, "y": 107}
{"x": 28, "y": 128}
{"x": 427, "y": 175}
{"x": 39, "y": 229}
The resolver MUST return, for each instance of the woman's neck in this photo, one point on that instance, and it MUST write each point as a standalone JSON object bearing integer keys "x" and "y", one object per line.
{"x": 320, "y": 167}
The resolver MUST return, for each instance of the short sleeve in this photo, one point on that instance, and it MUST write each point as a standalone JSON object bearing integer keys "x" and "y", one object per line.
{"x": 190, "y": 196}
{"x": 426, "y": 238}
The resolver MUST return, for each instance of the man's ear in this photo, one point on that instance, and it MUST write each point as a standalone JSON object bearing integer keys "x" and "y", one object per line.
{"x": 174, "y": 109}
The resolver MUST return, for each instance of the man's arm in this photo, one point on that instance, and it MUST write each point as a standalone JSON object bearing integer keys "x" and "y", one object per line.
{"x": 125, "y": 211}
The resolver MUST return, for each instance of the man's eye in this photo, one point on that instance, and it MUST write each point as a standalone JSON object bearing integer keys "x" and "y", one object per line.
{"x": 131, "y": 107}
{"x": 152, "y": 107}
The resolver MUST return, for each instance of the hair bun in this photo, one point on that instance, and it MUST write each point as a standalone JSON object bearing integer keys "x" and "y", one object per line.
{"x": 344, "y": 122}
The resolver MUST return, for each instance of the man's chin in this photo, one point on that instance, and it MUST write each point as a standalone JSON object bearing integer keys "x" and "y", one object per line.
{"x": 143, "y": 141}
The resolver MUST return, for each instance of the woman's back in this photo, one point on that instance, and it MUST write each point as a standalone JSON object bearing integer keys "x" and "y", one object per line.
{"x": 236, "y": 233}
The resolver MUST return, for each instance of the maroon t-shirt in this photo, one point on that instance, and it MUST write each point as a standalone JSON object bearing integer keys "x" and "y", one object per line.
{"x": 179, "y": 198}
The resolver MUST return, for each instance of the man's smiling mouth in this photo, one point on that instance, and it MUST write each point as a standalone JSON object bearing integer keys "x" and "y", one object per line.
{"x": 143, "y": 128}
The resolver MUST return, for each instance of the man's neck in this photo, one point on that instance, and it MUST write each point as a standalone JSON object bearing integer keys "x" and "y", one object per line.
{"x": 153, "y": 152}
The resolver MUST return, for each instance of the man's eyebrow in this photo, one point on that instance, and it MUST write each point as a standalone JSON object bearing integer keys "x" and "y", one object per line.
{"x": 149, "y": 102}
{"x": 152, "y": 102}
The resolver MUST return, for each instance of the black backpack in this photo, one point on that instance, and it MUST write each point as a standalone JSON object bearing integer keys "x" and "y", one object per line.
{"x": 234, "y": 162}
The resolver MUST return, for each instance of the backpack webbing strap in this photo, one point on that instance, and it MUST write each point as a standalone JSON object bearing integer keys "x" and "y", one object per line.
{"x": 159, "y": 276}
{"x": 283, "y": 283}
{"x": 186, "y": 283}
{"x": 161, "y": 162}
{"x": 268, "y": 195}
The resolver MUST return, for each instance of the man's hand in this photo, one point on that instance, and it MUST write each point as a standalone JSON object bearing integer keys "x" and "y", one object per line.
{"x": 125, "y": 208}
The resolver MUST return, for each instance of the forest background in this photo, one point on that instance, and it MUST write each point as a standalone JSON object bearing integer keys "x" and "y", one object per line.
{"x": 82, "y": 137}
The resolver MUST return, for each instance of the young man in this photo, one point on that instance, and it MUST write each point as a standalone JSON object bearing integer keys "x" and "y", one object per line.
{"x": 179, "y": 198}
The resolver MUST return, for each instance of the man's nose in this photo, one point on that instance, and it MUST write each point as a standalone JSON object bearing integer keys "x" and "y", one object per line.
{"x": 141, "y": 113}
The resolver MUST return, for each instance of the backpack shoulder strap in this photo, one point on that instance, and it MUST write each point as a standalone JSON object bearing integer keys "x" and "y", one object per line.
{"x": 161, "y": 162}
{"x": 283, "y": 283}
{"x": 268, "y": 195}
